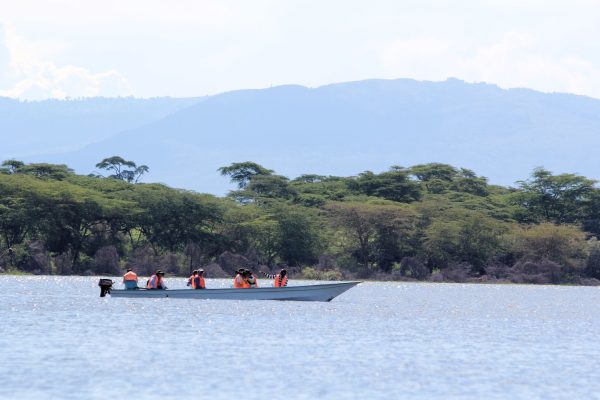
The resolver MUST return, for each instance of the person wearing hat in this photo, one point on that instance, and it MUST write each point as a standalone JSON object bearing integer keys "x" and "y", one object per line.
{"x": 251, "y": 279}
{"x": 196, "y": 281}
{"x": 239, "y": 282}
{"x": 130, "y": 279}
{"x": 279, "y": 280}
{"x": 156, "y": 281}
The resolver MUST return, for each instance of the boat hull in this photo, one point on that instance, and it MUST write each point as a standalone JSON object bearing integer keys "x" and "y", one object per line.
{"x": 324, "y": 292}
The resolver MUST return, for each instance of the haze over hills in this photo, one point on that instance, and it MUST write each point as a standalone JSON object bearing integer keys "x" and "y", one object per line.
{"x": 339, "y": 129}
{"x": 30, "y": 128}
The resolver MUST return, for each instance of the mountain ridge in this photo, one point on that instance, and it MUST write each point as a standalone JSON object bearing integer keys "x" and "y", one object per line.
{"x": 349, "y": 127}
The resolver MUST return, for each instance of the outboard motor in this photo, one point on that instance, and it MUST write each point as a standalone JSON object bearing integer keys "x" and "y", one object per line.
{"x": 105, "y": 285}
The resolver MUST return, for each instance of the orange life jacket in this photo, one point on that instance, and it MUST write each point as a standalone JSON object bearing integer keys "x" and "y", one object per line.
{"x": 155, "y": 282}
{"x": 238, "y": 281}
{"x": 279, "y": 281}
{"x": 130, "y": 276}
{"x": 197, "y": 282}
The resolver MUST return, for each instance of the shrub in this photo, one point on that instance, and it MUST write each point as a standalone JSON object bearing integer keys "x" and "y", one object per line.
{"x": 410, "y": 266}
{"x": 328, "y": 275}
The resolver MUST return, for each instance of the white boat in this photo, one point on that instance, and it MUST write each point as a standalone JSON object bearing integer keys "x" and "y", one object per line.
{"x": 321, "y": 292}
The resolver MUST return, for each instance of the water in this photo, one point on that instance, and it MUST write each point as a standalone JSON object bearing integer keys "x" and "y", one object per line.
{"x": 59, "y": 340}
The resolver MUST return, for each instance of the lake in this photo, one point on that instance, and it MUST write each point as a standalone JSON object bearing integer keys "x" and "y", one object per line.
{"x": 60, "y": 340}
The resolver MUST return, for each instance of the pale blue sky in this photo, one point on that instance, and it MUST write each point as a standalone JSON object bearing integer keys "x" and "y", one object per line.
{"x": 59, "y": 48}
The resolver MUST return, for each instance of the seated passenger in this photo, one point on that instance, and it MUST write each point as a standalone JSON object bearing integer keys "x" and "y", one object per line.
{"x": 251, "y": 279}
{"x": 239, "y": 281}
{"x": 156, "y": 281}
{"x": 130, "y": 279}
{"x": 196, "y": 281}
{"x": 280, "y": 279}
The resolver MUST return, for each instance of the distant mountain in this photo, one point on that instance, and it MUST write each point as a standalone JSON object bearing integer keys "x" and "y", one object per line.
{"x": 346, "y": 128}
{"x": 45, "y": 127}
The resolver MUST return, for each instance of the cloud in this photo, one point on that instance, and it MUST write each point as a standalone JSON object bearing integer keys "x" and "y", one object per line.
{"x": 516, "y": 60}
{"x": 28, "y": 75}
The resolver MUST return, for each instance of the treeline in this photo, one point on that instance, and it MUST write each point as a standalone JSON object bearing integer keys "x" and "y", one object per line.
{"x": 426, "y": 222}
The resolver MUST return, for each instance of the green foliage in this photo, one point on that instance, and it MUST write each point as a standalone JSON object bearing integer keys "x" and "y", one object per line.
{"x": 328, "y": 275}
{"x": 466, "y": 237}
{"x": 373, "y": 232}
{"x": 122, "y": 169}
{"x": 402, "y": 222}
{"x": 242, "y": 172}
{"x": 391, "y": 185}
{"x": 562, "y": 244}
{"x": 553, "y": 198}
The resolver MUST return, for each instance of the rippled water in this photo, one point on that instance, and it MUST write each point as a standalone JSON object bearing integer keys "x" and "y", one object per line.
{"x": 379, "y": 340}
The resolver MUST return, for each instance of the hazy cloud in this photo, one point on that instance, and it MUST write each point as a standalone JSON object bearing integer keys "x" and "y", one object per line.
{"x": 27, "y": 75}
{"x": 513, "y": 61}
{"x": 199, "y": 47}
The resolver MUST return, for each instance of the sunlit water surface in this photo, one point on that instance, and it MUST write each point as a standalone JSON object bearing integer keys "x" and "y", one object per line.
{"x": 59, "y": 340}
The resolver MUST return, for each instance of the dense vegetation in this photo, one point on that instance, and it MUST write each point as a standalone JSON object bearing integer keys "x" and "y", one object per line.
{"x": 427, "y": 222}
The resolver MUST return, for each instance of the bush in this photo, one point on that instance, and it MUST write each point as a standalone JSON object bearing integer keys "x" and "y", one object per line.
{"x": 106, "y": 261}
{"x": 328, "y": 275}
{"x": 456, "y": 272}
{"x": 543, "y": 272}
{"x": 411, "y": 267}
{"x": 497, "y": 271}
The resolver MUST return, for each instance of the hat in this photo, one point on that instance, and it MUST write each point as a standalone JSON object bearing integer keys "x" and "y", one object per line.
{"x": 159, "y": 272}
{"x": 200, "y": 270}
{"x": 128, "y": 269}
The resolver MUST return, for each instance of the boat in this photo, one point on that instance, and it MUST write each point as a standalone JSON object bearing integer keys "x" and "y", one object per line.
{"x": 321, "y": 292}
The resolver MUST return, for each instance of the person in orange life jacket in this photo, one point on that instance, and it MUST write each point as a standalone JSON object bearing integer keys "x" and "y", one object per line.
{"x": 239, "y": 281}
{"x": 156, "y": 281}
{"x": 280, "y": 279}
{"x": 130, "y": 279}
{"x": 251, "y": 279}
{"x": 196, "y": 281}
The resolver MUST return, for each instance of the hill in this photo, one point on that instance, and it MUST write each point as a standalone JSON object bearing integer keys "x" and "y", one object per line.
{"x": 367, "y": 125}
{"x": 37, "y": 128}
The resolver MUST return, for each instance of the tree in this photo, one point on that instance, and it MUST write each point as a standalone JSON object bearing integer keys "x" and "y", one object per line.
{"x": 435, "y": 177}
{"x": 124, "y": 170}
{"x": 241, "y": 173}
{"x": 558, "y": 243}
{"x": 173, "y": 218}
{"x": 300, "y": 242}
{"x": 463, "y": 237}
{"x": 468, "y": 182}
{"x": 272, "y": 186}
{"x": 368, "y": 226}
{"x": 391, "y": 185}
{"x": 43, "y": 170}
{"x": 11, "y": 166}
{"x": 553, "y": 198}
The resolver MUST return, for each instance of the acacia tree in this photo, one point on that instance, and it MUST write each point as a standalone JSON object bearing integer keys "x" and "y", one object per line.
{"x": 391, "y": 185}
{"x": 367, "y": 226}
{"x": 122, "y": 169}
{"x": 553, "y": 198}
{"x": 241, "y": 173}
{"x": 11, "y": 166}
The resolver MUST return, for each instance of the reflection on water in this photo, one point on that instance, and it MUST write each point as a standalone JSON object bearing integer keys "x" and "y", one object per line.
{"x": 378, "y": 340}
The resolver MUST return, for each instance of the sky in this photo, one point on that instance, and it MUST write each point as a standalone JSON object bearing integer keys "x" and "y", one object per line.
{"x": 184, "y": 48}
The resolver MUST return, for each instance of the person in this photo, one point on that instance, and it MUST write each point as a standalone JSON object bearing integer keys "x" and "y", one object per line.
{"x": 196, "y": 281}
{"x": 156, "y": 281}
{"x": 280, "y": 279}
{"x": 251, "y": 279}
{"x": 130, "y": 279}
{"x": 238, "y": 281}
